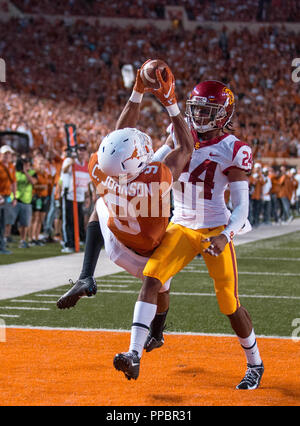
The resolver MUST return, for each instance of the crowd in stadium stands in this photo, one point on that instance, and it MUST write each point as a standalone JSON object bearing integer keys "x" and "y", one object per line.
{"x": 197, "y": 10}
{"x": 60, "y": 73}
{"x": 71, "y": 73}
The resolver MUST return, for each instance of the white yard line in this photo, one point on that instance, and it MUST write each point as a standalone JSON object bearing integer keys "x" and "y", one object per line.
{"x": 176, "y": 293}
{"x": 108, "y": 330}
{"x": 24, "y": 308}
{"x": 31, "y": 301}
{"x": 9, "y": 316}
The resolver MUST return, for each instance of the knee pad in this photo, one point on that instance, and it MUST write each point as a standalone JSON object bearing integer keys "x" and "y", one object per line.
{"x": 166, "y": 286}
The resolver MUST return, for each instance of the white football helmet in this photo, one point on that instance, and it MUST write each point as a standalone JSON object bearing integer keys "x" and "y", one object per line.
{"x": 125, "y": 152}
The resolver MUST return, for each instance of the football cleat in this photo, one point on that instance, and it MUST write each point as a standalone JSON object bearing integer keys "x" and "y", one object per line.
{"x": 85, "y": 287}
{"x": 153, "y": 343}
{"x": 252, "y": 377}
{"x": 129, "y": 363}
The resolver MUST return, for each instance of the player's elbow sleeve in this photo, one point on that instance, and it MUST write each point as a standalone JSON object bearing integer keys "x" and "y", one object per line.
{"x": 239, "y": 193}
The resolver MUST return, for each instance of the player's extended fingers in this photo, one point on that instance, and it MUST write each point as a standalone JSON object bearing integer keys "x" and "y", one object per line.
{"x": 210, "y": 251}
{"x": 159, "y": 78}
{"x": 150, "y": 90}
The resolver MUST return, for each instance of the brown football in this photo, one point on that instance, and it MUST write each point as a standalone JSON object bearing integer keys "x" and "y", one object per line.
{"x": 148, "y": 74}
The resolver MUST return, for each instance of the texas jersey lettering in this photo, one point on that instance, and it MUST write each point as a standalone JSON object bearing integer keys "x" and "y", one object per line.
{"x": 139, "y": 210}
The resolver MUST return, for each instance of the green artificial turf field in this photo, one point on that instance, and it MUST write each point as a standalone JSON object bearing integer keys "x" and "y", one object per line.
{"x": 269, "y": 287}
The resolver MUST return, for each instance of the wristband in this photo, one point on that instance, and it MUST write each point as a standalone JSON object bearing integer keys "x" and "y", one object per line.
{"x": 136, "y": 97}
{"x": 173, "y": 110}
{"x": 228, "y": 235}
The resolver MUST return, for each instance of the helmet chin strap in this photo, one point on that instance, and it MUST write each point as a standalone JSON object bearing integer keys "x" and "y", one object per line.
{"x": 205, "y": 128}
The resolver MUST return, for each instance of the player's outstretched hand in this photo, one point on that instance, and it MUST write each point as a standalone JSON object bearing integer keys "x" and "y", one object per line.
{"x": 139, "y": 85}
{"x": 166, "y": 91}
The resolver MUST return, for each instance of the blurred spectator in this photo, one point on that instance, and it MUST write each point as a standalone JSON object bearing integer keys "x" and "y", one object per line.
{"x": 204, "y": 10}
{"x": 26, "y": 179}
{"x": 292, "y": 187}
{"x": 266, "y": 196}
{"x": 284, "y": 195}
{"x": 9, "y": 216}
{"x": 82, "y": 180}
{"x": 40, "y": 199}
{"x": 297, "y": 177}
{"x": 7, "y": 190}
{"x": 256, "y": 183}
{"x": 275, "y": 177}
{"x": 54, "y": 170}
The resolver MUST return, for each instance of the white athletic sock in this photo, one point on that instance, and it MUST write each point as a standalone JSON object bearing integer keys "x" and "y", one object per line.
{"x": 142, "y": 317}
{"x": 250, "y": 348}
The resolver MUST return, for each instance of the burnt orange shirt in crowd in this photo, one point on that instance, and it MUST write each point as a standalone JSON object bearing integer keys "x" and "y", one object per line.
{"x": 258, "y": 183}
{"x": 275, "y": 185}
{"x": 144, "y": 232}
{"x": 43, "y": 178}
{"x": 7, "y": 178}
{"x": 284, "y": 187}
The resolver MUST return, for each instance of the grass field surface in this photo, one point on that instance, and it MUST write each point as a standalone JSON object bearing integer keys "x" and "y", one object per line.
{"x": 31, "y": 253}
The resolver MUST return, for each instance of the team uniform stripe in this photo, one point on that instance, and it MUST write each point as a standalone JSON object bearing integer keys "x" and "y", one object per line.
{"x": 138, "y": 324}
{"x": 245, "y": 347}
{"x": 235, "y": 274}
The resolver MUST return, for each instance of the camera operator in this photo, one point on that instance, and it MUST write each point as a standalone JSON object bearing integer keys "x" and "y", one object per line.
{"x": 79, "y": 160}
{"x": 26, "y": 178}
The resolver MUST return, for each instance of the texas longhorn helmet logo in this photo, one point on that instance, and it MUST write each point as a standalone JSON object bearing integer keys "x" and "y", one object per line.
{"x": 135, "y": 154}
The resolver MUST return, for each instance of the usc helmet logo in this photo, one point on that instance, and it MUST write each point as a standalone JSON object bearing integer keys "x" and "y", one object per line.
{"x": 229, "y": 94}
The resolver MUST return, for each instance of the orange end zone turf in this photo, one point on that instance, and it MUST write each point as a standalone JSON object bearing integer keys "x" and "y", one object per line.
{"x": 54, "y": 367}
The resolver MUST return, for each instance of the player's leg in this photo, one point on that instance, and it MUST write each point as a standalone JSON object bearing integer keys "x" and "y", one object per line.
{"x": 242, "y": 325}
{"x": 175, "y": 251}
{"x": 223, "y": 270}
{"x": 155, "y": 338}
{"x": 86, "y": 284}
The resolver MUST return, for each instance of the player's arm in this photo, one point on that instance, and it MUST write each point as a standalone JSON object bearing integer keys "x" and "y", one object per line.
{"x": 130, "y": 115}
{"x": 164, "y": 150}
{"x": 178, "y": 157}
{"x": 239, "y": 192}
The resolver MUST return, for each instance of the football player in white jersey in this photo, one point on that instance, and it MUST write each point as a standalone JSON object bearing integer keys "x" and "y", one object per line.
{"x": 201, "y": 223}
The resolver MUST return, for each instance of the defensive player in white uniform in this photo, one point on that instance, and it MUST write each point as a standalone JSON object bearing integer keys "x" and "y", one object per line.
{"x": 202, "y": 224}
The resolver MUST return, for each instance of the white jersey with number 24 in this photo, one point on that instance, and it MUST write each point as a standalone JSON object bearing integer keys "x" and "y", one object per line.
{"x": 198, "y": 196}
